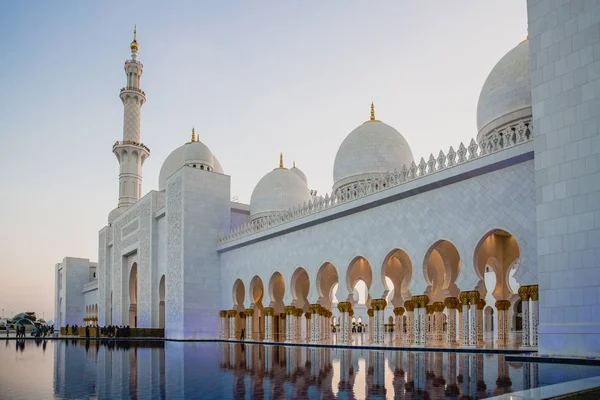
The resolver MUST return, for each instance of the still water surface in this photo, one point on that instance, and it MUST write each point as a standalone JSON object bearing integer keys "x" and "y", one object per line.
{"x": 76, "y": 369}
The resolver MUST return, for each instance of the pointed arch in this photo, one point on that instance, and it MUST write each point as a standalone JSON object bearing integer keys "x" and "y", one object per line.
{"x": 277, "y": 291}
{"x": 397, "y": 267}
{"x": 499, "y": 250}
{"x": 327, "y": 279}
{"x": 358, "y": 269}
{"x": 300, "y": 287}
{"x": 257, "y": 290}
{"x": 441, "y": 267}
{"x": 238, "y": 293}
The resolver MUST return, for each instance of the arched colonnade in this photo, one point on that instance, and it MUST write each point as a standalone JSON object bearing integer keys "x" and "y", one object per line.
{"x": 301, "y": 307}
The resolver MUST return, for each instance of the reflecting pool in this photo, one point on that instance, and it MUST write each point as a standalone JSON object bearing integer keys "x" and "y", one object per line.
{"x": 79, "y": 369}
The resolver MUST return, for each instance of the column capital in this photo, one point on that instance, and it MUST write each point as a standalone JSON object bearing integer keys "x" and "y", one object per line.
{"x": 269, "y": 311}
{"x": 289, "y": 310}
{"x": 398, "y": 310}
{"x": 524, "y": 293}
{"x": 223, "y": 313}
{"x": 480, "y": 304}
{"x": 451, "y": 303}
{"x": 344, "y": 306}
{"x": 420, "y": 301}
{"x": 502, "y": 305}
{"x": 469, "y": 297}
{"x": 534, "y": 292}
{"x": 231, "y": 313}
{"x": 299, "y": 312}
{"x": 438, "y": 306}
{"x": 409, "y": 305}
{"x": 307, "y": 315}
{"x": 429, "y": 309}
{"x": 249, "y": 312}
{"x": 370, "y": 312}
{"x": 282, "y": 316}
{"x": 314, "y": 308}
{"x": 378, "y": 304}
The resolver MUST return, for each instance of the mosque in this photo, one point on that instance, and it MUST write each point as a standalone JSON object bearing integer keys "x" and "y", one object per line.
{"x": 444, "y": 250}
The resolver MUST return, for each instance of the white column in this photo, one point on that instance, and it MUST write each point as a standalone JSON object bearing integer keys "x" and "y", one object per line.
{"x": 290, "y": 324}
{"x": 524, "y": 294}
{"x": 370, "y": 313}
{"x": 473, "y": 324}
{"x": 379, "y": 320}
{"x": 398, "y": 326}
{"x": 466, "y": 337}
{"x": 410, "y": 322}
{"x": 249, "y": 316}
{"x": 268, "y": 313}
{"x": 299, "y": 321}
{"x": 231, "y": 314}
{"x": 480, "y": 307}
{"x": 345, "y": 332}
{"x": 502, "y": 306}
{"x": 308, "y": 326}
{"x": 451, "y": 304}
{"x": 459, "y": 322}
{"x": 223, "y": 330}
{"x": 315, "y": 323}
{"x": 535, "y": 314}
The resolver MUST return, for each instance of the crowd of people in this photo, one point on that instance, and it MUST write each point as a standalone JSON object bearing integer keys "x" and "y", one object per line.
{"x": 105, "y": 331}
{"x": 38, "y": 331}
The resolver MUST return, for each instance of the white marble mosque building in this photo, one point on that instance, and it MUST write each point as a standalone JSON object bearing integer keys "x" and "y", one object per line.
{"x": 444, "y": 250}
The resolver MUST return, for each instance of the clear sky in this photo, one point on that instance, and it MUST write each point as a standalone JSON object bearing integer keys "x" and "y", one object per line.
{"x": 254, "y": 78}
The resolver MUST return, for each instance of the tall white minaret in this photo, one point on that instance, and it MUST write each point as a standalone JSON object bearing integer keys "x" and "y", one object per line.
{"x": 130, "y": 152}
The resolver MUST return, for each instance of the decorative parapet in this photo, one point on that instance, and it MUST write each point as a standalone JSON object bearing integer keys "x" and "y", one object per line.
{"x": 511, "y": 135}
{"x": 131, "y": 142}
{"x": 133, "y": 89}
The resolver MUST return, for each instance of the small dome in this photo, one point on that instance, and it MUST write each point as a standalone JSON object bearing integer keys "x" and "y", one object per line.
{"x": 300, "y": 174}
{"x": 279, "y": 190}
{"x": 114, "y": 214}
{"x": 370, "y": 149}
{"x": 506, "y": 93}
{"x": 191, "y": 153}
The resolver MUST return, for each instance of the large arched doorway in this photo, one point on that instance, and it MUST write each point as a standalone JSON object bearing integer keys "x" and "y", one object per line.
{"x": 257, "y": 291}
{"x": 133, "y": 293}
{"x": 496, "y": 261}
{"x": 397, "y": 269}
{"x": 161, "y": 303}
{"x": 276, "y": 292}
{"x": 239, "y": 294}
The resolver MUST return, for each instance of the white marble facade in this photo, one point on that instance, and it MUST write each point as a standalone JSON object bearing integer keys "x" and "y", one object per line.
{"x": 465, "y": 219}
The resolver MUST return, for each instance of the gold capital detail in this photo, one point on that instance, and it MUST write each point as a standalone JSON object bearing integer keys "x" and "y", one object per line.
{"x": 249, "y": 312}
{"x": 314, "y": 308}
{"x": 438, "y": 306}
{"x": 307, "y": 315}
{"x": 268, "y": 311}
{"x": 533, "y": 292}
{"x": 502, "y": 305}
{"x": 524, "y": 293}
{"x": 429, "y": 309}
{"x": 378, "y": 304}
{"x": 420, "y": 301}
{"x": 370, "y": 312}
{"x": 290, "y": 310}
{"x": 480, "y": 304}
{"x": 299, "y": 312}
{"x": 409, "y": 305}
{"x": 231, "y": 313}
{"x": 344, "y": 306}
{"x": 223, "y": 313}
{"x": 451, "y": 303}
{"x": 398, "y": 310}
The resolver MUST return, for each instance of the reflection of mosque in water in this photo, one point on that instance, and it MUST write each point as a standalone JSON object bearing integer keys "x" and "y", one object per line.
{"x": 178, "y": 370}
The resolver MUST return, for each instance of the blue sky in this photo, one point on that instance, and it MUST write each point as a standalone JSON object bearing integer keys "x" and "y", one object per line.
{"x": 254, "y": 78}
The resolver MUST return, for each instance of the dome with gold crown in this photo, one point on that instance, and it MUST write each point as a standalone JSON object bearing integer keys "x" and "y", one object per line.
{"x": 134, "y": 46}
{"x": 369, "y": 150}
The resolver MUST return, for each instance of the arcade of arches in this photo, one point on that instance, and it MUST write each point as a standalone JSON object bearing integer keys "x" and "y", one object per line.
{"x": 443, "y": 315}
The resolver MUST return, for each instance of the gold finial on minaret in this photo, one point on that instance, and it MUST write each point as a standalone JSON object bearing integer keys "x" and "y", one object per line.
{"x": 280, "y": 160}
{"x": 134, "y": 46}
{"x": 193, "y": 135}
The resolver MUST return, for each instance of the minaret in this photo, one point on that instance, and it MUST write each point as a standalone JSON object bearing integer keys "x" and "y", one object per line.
{"x": 130, "y": 152}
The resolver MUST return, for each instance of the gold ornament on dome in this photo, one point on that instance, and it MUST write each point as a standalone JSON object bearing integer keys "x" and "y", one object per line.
{"x": 281, "y": 162}
{"x": 372, "y": 118}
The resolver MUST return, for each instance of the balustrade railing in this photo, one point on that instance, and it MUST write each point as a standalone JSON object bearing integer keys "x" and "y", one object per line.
{"x": 508, "y": 136}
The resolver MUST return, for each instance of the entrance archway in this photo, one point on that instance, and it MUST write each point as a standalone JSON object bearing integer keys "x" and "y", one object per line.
{"x": 161, "y": 303}
{"x": 133, "y": 292}
{"x": 257, "y": 291}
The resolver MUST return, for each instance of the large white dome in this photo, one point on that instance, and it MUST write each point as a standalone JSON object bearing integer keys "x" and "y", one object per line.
{"x": 370, "y": 149}
{"x": 191, "y": 153}
{"x": 506, "y": 93}
{"x": 279, "y": 190}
